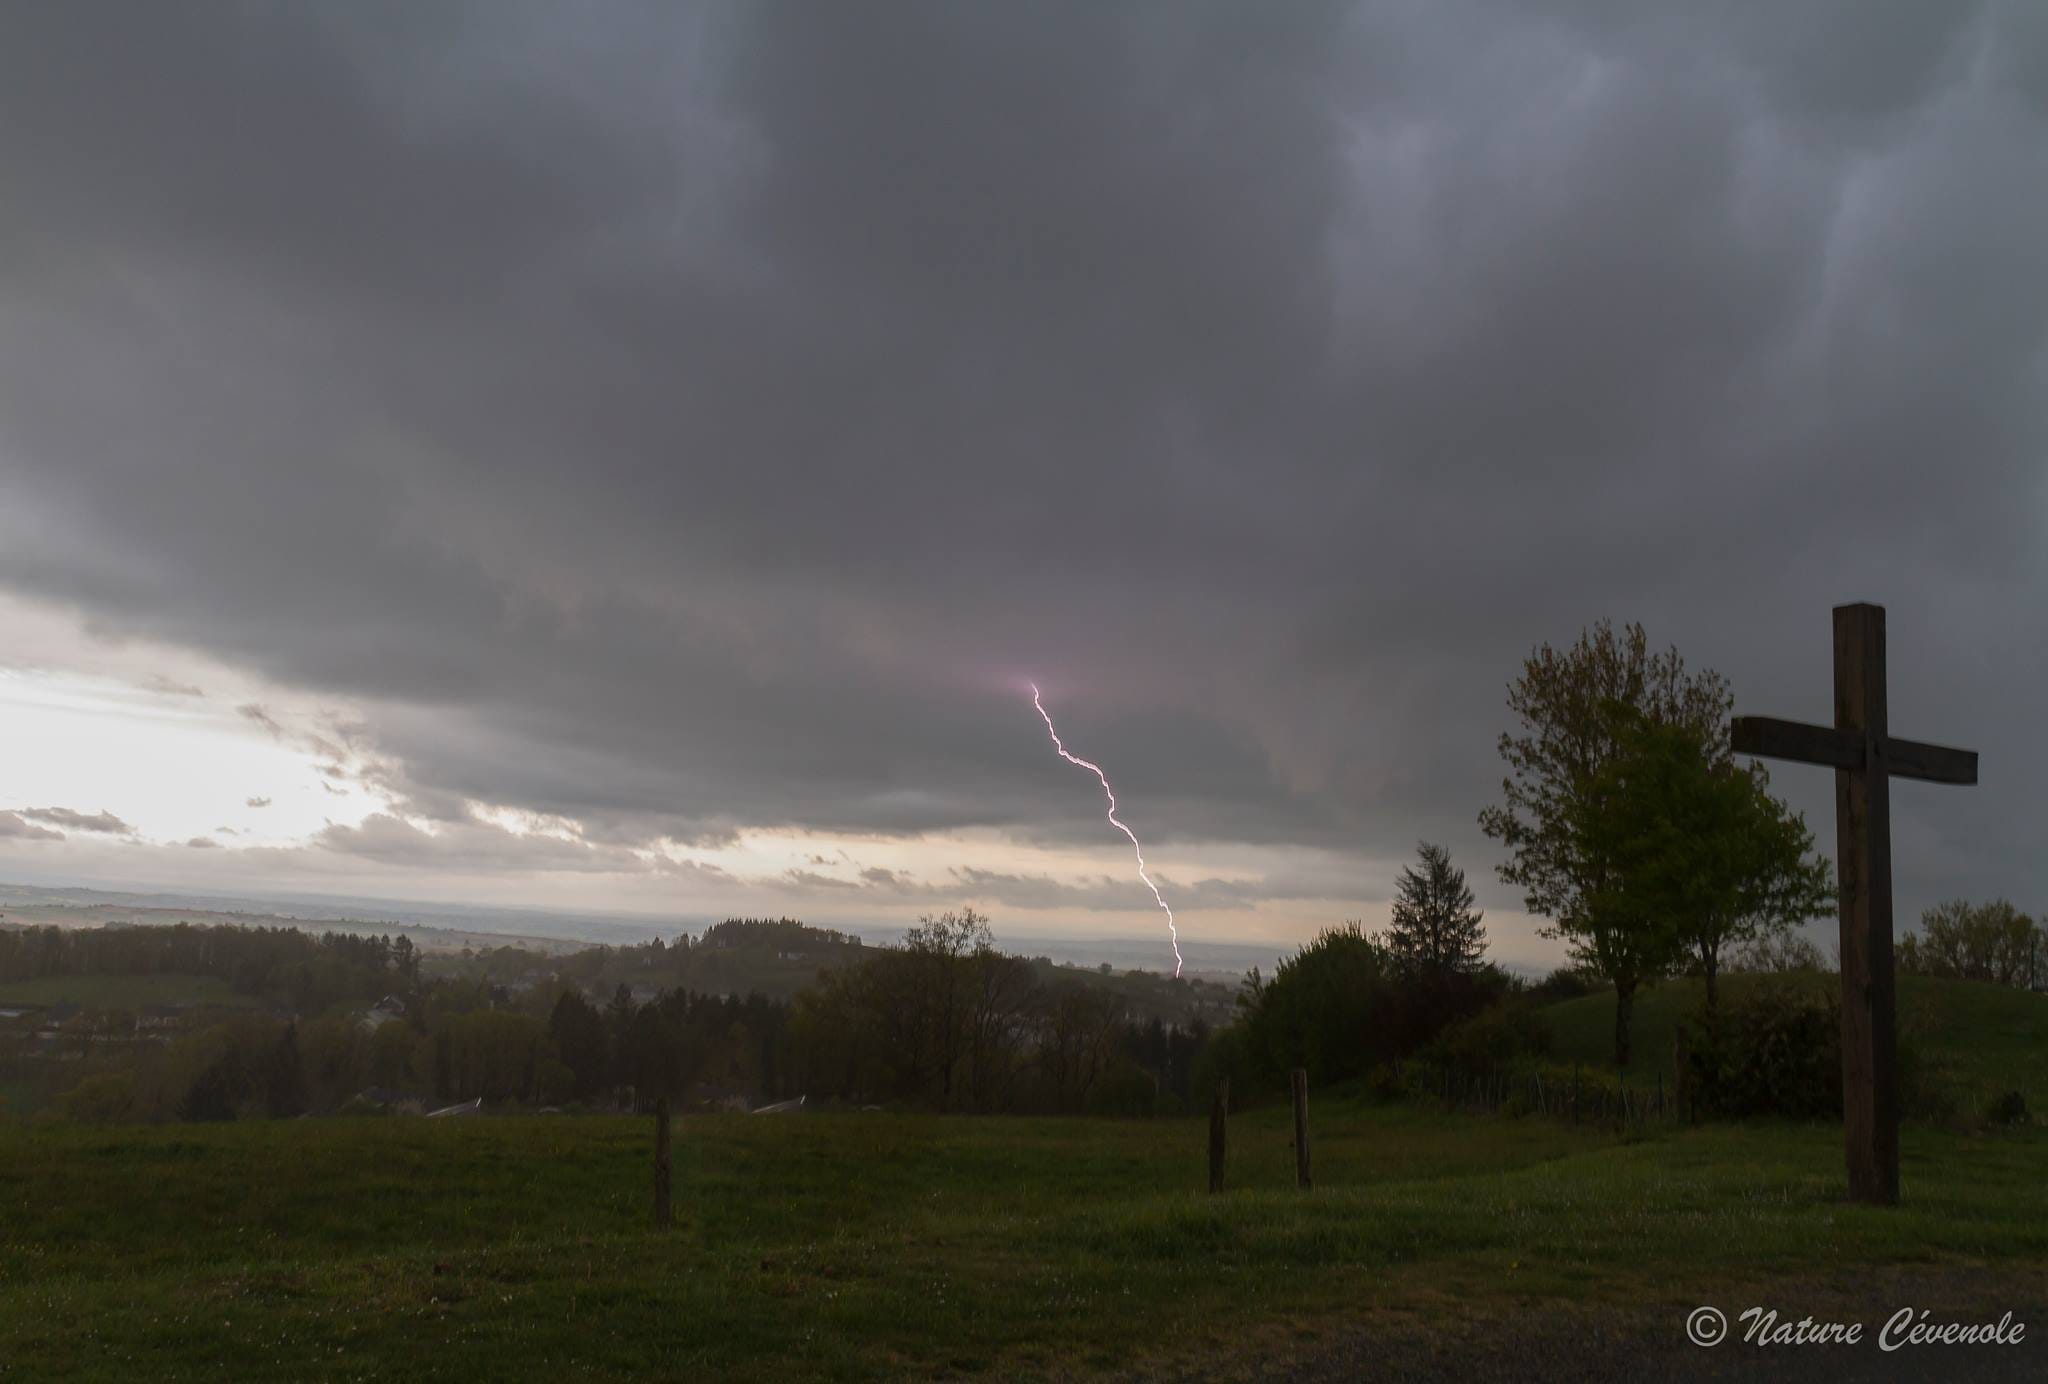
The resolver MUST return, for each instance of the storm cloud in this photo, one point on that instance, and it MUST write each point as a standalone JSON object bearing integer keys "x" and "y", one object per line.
{"x": 679, "y": 420}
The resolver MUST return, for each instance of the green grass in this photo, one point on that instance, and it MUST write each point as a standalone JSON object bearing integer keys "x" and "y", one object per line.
{"x": 1988, "y": 1038}
{"x": 880, "y": 1246}
{"x": 122, "y": 991}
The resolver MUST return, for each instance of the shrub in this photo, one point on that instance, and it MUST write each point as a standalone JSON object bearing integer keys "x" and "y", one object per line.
{"x": 1223, "y": 1058}
{"x": 1492, "y": 1039}
{"x": 1778, "y": 1052}
{"x": 104, "y": 1098}
{"x": 1332, "y": 1007}
{"x": 1127, "y": 1092}
{"x": 1784, "y": 953}
{"x": 1564, "y": 983}
{"x": 2010, "y": 1108}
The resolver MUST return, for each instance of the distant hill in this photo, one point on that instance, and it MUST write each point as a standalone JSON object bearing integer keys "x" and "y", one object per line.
{"x": 433, "y": 927}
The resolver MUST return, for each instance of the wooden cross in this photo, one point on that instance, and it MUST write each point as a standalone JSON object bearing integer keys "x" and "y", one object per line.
{"x": 1865, "y": 757}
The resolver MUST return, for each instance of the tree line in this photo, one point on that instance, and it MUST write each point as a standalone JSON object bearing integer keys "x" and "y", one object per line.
{"x": 944, "y": 1021}
{"x": 309, "y": 971}
{"x": 948, "y": 1021}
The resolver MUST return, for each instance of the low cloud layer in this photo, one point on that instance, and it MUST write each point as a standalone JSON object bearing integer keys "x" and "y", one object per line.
{"x": 13, "y": 826}
{"x": 684, "y": 422}
{"x": 104, "y": 822}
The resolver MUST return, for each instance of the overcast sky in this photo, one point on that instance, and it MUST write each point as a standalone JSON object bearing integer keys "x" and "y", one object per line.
{"x": 636, "y": 456}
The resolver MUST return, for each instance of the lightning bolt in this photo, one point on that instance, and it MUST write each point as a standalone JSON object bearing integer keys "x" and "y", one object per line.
{"x": 1109, "y": 793}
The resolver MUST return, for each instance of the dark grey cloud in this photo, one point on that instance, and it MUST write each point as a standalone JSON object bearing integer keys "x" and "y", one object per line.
{"x": 1113, "y": 892}
{"x": 683, "y": 420}
{"x": 73, "y": 820}
{"x": 812, "y": 880}
{"x": 471, "y": 845}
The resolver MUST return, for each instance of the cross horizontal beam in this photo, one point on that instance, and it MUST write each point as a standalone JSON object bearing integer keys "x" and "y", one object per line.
{"x": 1775, "y": 739}
{"x": 1844, "y": 749}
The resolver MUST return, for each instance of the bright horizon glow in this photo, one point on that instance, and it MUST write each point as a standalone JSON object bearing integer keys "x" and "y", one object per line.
{"x": 172, "y": 765}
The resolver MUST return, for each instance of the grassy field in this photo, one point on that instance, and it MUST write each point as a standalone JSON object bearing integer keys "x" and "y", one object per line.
{"x": 873, "y": 1246}
{"x": 1986, "y": 1038}
{"x": 122, "y": 991}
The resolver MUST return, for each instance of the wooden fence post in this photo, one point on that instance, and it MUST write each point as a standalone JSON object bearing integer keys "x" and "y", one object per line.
{"x": 1678, "y": 1071}
{"x": 661, "y": 1202}
{"x": 1301, "y": 1128}
{"x": 1218, "y": 1110}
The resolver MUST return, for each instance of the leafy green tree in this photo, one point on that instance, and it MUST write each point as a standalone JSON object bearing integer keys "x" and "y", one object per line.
{"x": 1435, "y": 932}
{"x": 1333, "y": 1008}
{"x": 1574, "y": 707}
{"x": 1697, "y": 842}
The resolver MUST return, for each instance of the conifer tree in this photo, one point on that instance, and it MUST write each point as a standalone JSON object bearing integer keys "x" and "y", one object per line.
{"x": 1436, "y": 931}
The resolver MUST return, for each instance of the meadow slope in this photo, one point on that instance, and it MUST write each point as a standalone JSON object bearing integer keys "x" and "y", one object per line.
{"x": 871, "y": 1246}
{"x": 1980, "y": 1039}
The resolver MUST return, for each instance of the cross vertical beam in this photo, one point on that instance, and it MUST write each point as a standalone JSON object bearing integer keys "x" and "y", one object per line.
{"x": 1865, "y": 756}
{"x": 1863, "y": 830}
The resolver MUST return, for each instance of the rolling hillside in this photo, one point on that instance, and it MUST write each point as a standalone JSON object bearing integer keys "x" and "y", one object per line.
{"x": 1982, "y": 1038}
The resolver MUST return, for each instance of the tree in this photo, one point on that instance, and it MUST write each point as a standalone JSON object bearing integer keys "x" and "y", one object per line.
{"x": 1785, "y": 953}
{"x": 405, "y": 959}
{"x": 1697, "y": 841}
{"x": 1000, "y": 994}
{"x": 1774, "y": 880}
{"x": 1078, "y": 1041}
{"x": 1964, "y": 941}
{"x": 941, "y": 948}
{"x": 284, "y": 1082}
{"x": 391, "y": 1052}
{"x": 1436, "y": 931}
{"x": 1569, "y": 703}
{"x": 579, "y": 1034}
{"x": 1333, "y": 1007}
